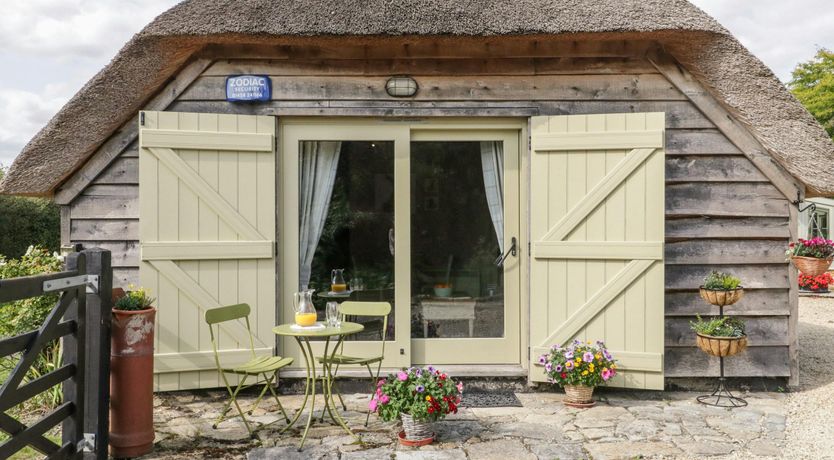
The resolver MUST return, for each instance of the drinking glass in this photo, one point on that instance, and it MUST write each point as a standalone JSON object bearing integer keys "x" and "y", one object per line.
{"x": 356, "y": 284}
{"x": 332, "y": 312}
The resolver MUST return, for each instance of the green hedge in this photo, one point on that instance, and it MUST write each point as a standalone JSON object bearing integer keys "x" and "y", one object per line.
{"x": 28, "y": 221}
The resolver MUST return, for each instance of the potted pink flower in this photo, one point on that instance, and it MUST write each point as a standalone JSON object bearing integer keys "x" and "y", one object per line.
{"x": 579, "y": 368}
{"x": 812, "y": 257}
{"x": 418, "y": 397}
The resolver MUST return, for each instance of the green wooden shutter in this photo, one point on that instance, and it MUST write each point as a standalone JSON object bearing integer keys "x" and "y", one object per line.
{"x": 597, "y": 231}
{"x": 207, "y": 230}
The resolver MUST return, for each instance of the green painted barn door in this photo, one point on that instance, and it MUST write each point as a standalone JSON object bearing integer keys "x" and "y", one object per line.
{"x": 597, "y": 231}
{"x": 207, "y": 230}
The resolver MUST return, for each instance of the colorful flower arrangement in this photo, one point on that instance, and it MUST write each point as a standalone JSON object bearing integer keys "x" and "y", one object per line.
{"x": 815, "y": 283}
{"x": 579, "y": 363}
{"x": 817, "y": 248}
{"x": 427, "y": 394}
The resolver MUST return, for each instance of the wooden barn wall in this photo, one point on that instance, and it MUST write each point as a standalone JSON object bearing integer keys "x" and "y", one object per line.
{"x": 106, "y": 215}
{"x": 721, "y": 211}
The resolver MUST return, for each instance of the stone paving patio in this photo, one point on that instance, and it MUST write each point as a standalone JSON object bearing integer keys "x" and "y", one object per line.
{"x": 623, "y": 425}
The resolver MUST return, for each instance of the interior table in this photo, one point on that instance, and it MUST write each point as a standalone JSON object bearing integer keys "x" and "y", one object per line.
{"x": 303, "y": 336}
{"x": 448, "y": 309}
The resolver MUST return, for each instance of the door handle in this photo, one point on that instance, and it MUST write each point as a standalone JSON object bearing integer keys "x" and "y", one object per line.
{"x": 512, "y": 251}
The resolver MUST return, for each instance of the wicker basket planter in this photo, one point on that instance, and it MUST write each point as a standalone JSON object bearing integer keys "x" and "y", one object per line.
{"x": 579, "y": 395}
{"x": 811, "y": 266}
{"x": 722, "y": 298}
{"x": 721, "y": 346}
{"x": 415, "y": 432}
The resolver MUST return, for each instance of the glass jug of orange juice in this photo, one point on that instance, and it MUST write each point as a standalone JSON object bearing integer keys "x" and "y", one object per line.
{"x": 337, "y": 280}
{"x": 305, "y": 311}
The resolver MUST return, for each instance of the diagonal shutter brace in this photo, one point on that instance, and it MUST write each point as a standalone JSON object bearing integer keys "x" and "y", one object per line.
{"x": 60, "y": 284}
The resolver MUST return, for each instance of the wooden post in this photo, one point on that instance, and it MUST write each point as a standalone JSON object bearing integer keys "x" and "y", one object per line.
{"x": 97, "y": 350}
{"x": 97, "y": 409}
{"x": 73, "y": 353}
{"x": 793, "y": 296}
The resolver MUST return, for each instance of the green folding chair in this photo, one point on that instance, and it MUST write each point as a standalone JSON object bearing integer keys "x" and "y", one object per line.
{"x": 266, "y": 366}
{"x": 375, "y": 312}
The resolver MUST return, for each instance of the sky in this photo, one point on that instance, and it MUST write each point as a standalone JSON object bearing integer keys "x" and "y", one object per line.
{"x": 50, "y": 48}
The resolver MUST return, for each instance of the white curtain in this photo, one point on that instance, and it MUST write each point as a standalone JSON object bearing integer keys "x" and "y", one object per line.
{"x": 317, "y": 174}
{"x": 492, "y": 163}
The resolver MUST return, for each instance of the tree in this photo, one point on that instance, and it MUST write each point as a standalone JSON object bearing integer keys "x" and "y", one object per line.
{"x": 813, "y": 85}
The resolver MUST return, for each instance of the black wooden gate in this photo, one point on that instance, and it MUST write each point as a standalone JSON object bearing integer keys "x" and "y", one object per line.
{"x": 81, "y": 319}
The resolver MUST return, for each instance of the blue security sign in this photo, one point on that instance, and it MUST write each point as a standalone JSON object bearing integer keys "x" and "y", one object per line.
{"x": 248, "y": 88}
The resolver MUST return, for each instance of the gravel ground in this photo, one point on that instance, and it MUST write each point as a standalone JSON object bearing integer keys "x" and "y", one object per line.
{"x": 810, "y": 422}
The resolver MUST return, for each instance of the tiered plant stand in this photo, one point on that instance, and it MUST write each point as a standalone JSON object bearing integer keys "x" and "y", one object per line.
{"x": 721, "y": 347}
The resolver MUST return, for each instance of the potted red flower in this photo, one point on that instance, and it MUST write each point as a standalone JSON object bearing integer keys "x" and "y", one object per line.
{"x": 812, "y": 257}
{"x": 418, "y": 397}
{"x": 817, "y": 283}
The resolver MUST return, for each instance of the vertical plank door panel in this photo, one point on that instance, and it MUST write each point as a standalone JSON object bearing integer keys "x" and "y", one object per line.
{"x": 600, "y": 193}
{"x": 192, "y": 193}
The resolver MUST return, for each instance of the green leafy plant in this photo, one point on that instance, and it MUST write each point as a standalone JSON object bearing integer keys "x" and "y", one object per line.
{"x": 27, "y": 315}
{"x": 427, "y": 394}
{"x": 724, "y": 326}
{"x": 718, "y": 281}
{"x": 134, "y": 299}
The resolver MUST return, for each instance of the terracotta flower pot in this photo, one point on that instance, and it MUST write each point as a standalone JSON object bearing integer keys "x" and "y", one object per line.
{"x": 131, "y": 383}
{"x": 579, "y": 396}
{"x": 721, "y": 346}
{"x": 721, "y": 298}
{"x": 811, "y": 266}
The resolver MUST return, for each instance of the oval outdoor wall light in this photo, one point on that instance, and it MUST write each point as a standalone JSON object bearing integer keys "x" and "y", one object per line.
{"x": 401, "y": 87}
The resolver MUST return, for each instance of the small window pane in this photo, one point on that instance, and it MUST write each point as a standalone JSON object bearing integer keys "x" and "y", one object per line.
{"x": 820, "y": 224}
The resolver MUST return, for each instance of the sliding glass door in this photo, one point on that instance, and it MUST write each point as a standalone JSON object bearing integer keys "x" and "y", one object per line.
{"x": 464, "y": 218}
{"x": 339, "y": 192}
{"x": 414, "y": 214}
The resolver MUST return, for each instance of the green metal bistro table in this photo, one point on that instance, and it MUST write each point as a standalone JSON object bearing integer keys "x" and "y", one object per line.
{"x": 303, "y": 338}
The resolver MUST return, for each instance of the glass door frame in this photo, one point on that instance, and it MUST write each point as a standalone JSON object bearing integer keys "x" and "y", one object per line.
{"x": 403, "y": 350}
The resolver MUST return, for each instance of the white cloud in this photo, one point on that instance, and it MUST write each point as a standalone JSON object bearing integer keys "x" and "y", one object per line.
{"x": 781, "y": 33}
{"x": 50, "y": 48}
{"x": 67, "y": 29}
{"x": 22, "y": 114}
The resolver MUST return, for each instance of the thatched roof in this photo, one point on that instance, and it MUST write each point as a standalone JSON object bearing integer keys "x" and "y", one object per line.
{"x": 140, "y": 69}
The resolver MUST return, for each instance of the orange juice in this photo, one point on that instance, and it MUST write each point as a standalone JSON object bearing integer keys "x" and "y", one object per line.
{"x": 305, "y": 319}
{"x": 338, "y": 287}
